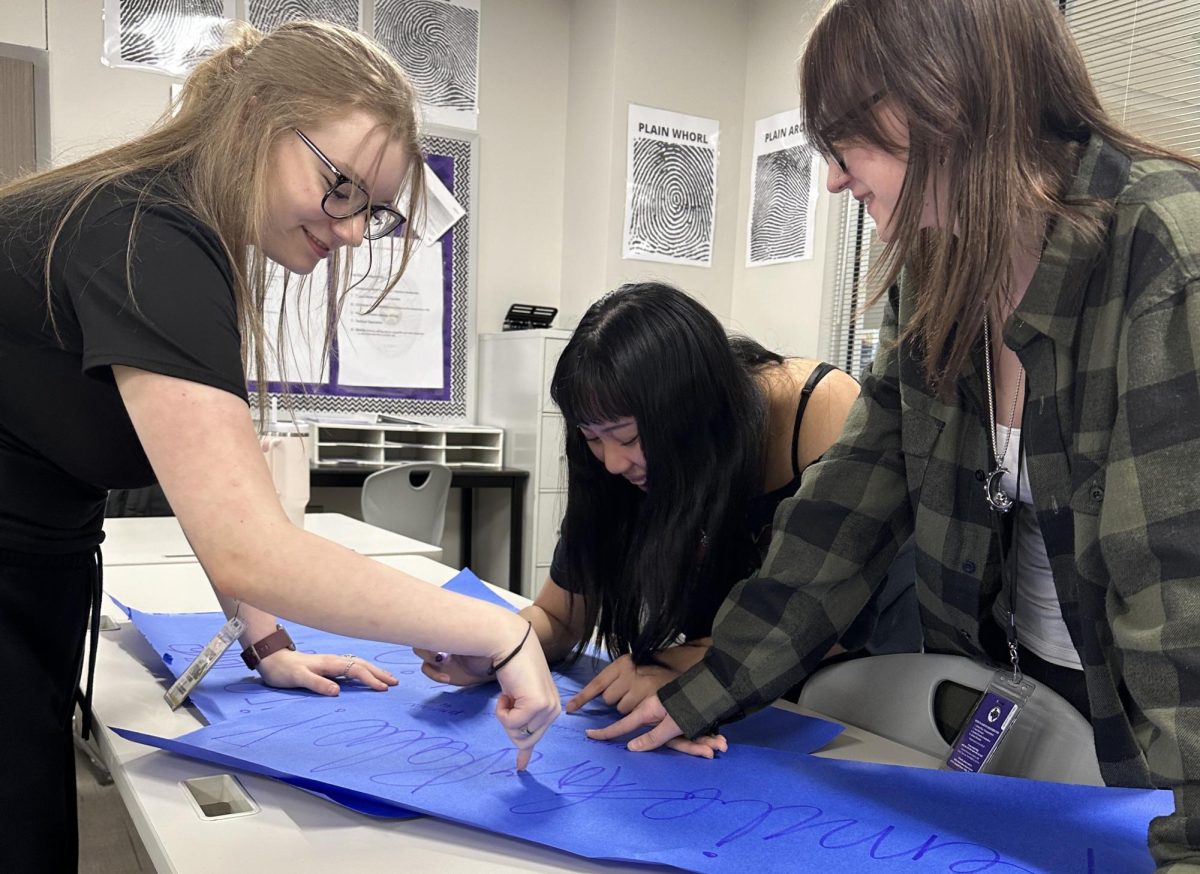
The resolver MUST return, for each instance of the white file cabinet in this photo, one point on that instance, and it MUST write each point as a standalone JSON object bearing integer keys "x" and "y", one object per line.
{"x": 515, "y": 368}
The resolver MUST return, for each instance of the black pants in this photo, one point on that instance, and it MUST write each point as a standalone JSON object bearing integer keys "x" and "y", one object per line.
{"x": 44, "y": 601}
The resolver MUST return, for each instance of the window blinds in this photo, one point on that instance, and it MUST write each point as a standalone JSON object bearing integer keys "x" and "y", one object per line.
{"x": 854, "y": 328}
{"x": 1144, "y": 58}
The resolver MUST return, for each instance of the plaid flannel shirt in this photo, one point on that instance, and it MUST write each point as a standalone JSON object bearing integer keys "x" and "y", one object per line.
{"x": 1109, "y": 336}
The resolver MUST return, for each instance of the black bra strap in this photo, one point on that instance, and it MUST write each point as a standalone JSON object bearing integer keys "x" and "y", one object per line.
{"x": 818, "y": 373}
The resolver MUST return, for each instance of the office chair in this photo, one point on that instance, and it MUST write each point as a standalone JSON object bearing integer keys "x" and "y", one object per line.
{"x": 920, "y": 700}
{"x": 409, "y": 499}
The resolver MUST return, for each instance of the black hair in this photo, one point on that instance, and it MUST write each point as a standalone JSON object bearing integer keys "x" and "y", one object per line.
{"x": 640, "y": 560}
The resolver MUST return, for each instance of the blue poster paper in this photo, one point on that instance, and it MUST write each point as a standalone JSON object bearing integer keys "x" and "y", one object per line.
{"x": 750, "y": 809}
{"x": 466, "y": 583}
{"x": 230, "y": 691}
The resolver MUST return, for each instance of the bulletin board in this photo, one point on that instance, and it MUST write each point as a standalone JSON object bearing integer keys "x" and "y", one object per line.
{"x": 375, "y": 384}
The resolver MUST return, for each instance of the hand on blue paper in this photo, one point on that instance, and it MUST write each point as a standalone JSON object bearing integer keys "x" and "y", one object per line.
{"x": 623, "y": 684}
{"x": 287, "y": 669}
{"x": 456, "y": 670}
{"x": 665, "y": 731}
{"x": 528, "y": 701}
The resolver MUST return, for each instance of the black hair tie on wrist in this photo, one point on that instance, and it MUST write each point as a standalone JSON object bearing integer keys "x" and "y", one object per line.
{"x": 512, "y": 655}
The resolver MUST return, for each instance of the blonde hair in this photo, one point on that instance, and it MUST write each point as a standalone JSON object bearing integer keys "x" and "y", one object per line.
{"x": 211, "y": 157}
{"x": 997, "y": 92}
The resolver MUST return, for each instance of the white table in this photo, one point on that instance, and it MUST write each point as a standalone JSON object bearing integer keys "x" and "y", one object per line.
{"x": 294, "y": 831}
{"x": 160, "y": 540}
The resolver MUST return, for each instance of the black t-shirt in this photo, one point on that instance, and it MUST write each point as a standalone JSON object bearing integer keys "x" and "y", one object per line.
{"x": 65, "y": 438}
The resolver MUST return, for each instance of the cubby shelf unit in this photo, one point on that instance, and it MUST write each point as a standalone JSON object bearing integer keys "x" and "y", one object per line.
{"x": 386, "y": 445}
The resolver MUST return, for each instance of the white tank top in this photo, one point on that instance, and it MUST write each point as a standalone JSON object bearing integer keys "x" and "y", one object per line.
{"x": 1040, "y": 626}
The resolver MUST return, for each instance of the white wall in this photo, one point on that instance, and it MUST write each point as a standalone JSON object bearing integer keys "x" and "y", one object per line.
{"x": 733, "y": 60}
{"x": 93, "y": 106}
{"x": 779, "y": 304}
{"x": 24, "y": 23}
{"x": 688, "y": 56}
{"x": 590, "y": 225}
{"x": 524, "y": 48}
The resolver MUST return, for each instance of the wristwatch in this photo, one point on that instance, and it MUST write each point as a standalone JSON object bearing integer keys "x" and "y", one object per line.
{"x": 273, "y": 642}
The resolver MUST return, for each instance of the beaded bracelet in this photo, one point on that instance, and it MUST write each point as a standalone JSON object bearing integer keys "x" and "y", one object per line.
{"x": 512, "y": 655}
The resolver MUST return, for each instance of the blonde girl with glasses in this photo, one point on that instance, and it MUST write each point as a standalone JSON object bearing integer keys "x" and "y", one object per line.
{"x": 132, "y": 289}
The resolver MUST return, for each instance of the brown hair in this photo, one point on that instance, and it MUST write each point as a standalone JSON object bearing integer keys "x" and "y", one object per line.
{"x": 997, "y": 90}
{"x": 210, "y": 157}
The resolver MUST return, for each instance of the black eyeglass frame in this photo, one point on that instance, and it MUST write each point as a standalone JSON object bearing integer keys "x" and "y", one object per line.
{"x": 836, "y": 156}
{"x": 394, "y": 218}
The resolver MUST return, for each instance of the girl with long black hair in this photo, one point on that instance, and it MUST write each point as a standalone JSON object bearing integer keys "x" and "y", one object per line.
{"x": 680, "y": 443}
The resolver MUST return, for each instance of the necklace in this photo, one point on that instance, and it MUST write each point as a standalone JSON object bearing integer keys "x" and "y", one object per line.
{"x": 993, "y": 488}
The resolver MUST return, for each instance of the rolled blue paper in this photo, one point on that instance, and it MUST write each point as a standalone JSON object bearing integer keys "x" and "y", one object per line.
{"x": 753, "y": 808}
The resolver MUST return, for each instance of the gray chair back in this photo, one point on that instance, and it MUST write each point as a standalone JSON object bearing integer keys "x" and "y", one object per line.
{"x": 409, "y": 499}
{"x": 897, "y": 697}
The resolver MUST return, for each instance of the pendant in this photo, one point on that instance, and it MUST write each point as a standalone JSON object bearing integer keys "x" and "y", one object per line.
{"x": 997, "y": 498}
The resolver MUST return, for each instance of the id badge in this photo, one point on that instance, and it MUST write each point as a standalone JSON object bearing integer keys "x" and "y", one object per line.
{"x": 990, "y": 722}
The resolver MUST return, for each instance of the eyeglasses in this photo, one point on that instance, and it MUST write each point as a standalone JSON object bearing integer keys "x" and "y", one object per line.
{"x": 831, "y": 154}
{"x": 835, "y": 157}
{"x": 346, "y": 198}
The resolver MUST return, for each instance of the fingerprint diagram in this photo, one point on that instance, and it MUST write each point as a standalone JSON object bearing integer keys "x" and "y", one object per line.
{"x": 779, "y": 223}
{"x": 267, "y": 15}
{"x": 671, "y": 211}
{"x": 436, "y": 44}
{"x": 171, "y": 34}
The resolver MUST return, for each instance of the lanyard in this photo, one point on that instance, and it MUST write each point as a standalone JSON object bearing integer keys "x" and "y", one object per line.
{"x": 1008, "y": 561}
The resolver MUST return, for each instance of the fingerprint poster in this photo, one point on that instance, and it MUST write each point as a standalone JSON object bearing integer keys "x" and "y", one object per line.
{"x": 166, "y": 36}
{"x": 784, "y": 175}
{"x": 437, "y": 44}
{"x": 267, "y": 15}
{"x": 671, "y": 187}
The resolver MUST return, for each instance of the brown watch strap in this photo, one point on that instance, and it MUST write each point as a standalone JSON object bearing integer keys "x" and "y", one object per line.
{"x": 273, "y": 642}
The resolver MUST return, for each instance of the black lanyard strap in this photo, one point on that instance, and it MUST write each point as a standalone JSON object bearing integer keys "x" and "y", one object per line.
{"x": 1008, "y": 561}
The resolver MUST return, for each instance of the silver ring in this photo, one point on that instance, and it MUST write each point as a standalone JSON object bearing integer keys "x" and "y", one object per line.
{"x": 526, "y": 730}
{"x": 350, "y": 658}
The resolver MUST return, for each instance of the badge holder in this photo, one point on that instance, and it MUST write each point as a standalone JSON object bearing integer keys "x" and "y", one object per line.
{"x": 989, "y": 724}
{"x": 202, "y": 664}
